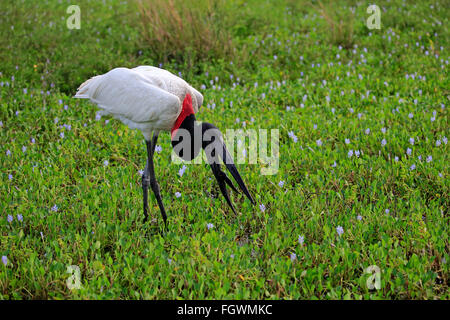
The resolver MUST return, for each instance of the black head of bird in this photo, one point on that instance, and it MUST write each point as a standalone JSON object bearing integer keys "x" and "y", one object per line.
{"x": 190, "y": 136}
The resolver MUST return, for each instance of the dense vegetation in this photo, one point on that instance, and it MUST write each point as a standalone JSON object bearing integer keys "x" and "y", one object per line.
{"x": 363, "y": 176}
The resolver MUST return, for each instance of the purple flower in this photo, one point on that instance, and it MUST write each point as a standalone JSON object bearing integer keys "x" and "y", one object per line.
{"x": 10, "y": 218}
{"x": 383, "y": 142}
{"x": 182, "y": 170}
{"x": 359, "y": 217}
{"x": 319, "y": 142}
{"x": 429, "y": 158}
{"x": 55, "y": 208}
{"x": 281, "y": 183}
{"x": 412, "y": 167}
{"x": 350, "y": 153}
{"x": 438, "y": 143}
{"x": 262, "y": 207}
{"x": 301, "y": 240}
{"x": 210, "y": 226}
{"x": 411, "y": 141}
{"x": 8, "y": 153}
{"x": 340, "y": 230}
{"x": 19, "y": 217}
{"x": 158, "y": 148}
{"x": 367, "y": 130}
{"x": 177, "y": 194}
{"x": 408, "y": 151}
{"x": 105, "y": 163}
{"x": 10, "y": 177}
{"x": 293, "y": 257}
{"x": 5, "y": 260}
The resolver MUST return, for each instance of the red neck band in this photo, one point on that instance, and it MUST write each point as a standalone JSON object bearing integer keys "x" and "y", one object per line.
{"x": 186, "y": 111}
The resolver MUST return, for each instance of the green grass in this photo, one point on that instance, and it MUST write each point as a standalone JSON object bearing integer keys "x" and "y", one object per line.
{"x": 98, "y": 222}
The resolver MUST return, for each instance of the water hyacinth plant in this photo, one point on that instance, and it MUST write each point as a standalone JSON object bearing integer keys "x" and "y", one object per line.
{"x": 362, "y": 179}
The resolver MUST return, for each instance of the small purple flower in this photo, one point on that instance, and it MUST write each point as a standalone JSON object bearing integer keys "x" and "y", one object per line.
{"x": 182, "y": 170}
{"x": 319, "y": 142}
{"x": 438, "y": 143}
{"x": 408, "y": 151}
{"x": 368, "y": 131}
{"x": 281, "y": 184}
{"x": 5, "y": 260}
{"x": 105, "y": 163}
{"x": 158, "y": 148}
{"x": 19, "y": 217}
{"x": 383, "y": 130}
{"x": 411, "y": 141}
{"x": 359, "y": 217}
{"x": 340, "y": 230}
{"x": 412, "y": 167}
{"x": 210, "y": 226}
{"x": 10, "y": 177}
{"x": 8, "y": 153}
{"x": 24, "y": 149}
{"x": 170, "y": 261}
{"x": 293, "y": 257}
{"x": 350, "y": 153}
{"x": 177, "y": 194}
{"x": 387, "y": 211}
{"x": 383, "y": 142}
{"x": 61, "y": 135}
{"x": 55, "y": 208}
{"x": 429, "y": 158}
{"x": 141, "y": 172}
{"x": 33, "y": 141}
{"x": 10, "y": 218}
{"x": 262, "y": 207}
{"x": 347, "y": 141}
{"x": 301, "y": 240}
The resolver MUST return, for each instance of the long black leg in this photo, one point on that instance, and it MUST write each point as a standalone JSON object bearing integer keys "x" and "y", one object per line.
{"x": 150, "y": 178}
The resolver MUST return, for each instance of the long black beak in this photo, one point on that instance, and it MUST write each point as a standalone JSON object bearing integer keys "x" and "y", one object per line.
{"x": 221, "y": 177}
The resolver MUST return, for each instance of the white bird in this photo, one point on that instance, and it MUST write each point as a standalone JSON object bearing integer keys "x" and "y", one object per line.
{"x": 153, "y": 100}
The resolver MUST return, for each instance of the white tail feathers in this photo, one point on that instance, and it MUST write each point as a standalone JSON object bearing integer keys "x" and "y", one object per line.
{"x": 83, "y": 89}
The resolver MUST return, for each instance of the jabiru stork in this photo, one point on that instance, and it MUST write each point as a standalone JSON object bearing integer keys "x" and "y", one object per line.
{"x": 153, "y": 100}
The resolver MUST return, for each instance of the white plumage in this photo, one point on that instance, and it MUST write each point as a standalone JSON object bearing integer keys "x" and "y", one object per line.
{"x": 145, "y": 98}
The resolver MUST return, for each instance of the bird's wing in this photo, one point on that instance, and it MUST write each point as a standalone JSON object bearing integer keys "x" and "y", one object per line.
{"x": 127, "y": 93}
{"x": 171, "y": 83}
